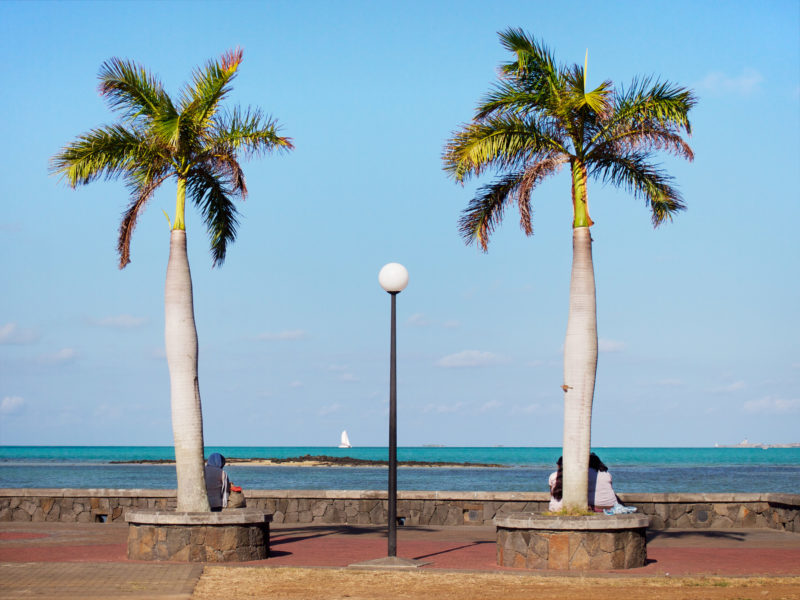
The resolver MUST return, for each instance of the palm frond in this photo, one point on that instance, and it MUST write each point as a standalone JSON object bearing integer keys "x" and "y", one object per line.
{"x": 534, "y": 60}
{"x": 104, "y": 152}
{"x": 541, "y": 168}
{"x": 503, "y": 143}
{"x": 142, "y": 185}
{"x": 643, "y": 137}
{"x": 248, "y": 130}
{"x": 200, "y": 100}
{"x": 647, "y": 100}
{"x": 485, "y": 210}
{"x": 210, "y": 194}
{"x": 130, "y": 88}
{"x": 633, "y": 172}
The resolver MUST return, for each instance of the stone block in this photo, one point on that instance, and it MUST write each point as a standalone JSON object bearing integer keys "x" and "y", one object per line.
{"x": 6, "y": 514}
{"x": 305, "y": 516}
{"x": 319, "y": 508}
{"x": 538, "y": 550}
{"x": 377, "y": 516}
{"x": 558, "y": 554}
{"x": 455, "y": 516}
{"x": 579, "y": 555}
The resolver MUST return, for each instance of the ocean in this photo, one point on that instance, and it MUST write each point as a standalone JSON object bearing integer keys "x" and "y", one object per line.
{"x": 657, "y": 470}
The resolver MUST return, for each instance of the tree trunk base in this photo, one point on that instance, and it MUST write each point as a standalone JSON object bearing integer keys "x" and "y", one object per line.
{"x": 231, "y": 536}
{"x": 586, "y": 543}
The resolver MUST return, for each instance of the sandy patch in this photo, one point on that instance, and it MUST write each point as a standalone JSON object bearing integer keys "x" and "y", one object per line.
{"x": 340, "y": 584}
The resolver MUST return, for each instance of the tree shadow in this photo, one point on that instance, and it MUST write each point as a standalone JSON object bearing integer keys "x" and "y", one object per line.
{"x": 715, "y": 534}
{"x": 286, "y": 535}
{"x": 453, "y": 549}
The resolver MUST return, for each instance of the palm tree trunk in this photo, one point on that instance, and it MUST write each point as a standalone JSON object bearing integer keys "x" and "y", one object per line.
{"x": 580, "y": 369}
{"x": 180, "y": 336}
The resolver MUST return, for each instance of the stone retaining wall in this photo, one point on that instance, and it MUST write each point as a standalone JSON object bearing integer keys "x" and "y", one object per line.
{"x": 666, "y": 511}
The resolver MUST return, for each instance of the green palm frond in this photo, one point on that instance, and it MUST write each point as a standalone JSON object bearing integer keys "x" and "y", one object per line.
{"x": 503, "y": 143}
{"x": 104, "y": 152}
{"x": 485, "y": 210}
{"x": 633, "y": 171}
{"x": 647, "y": 100}
{"x": 534, "y": 60}
{"x": 130, "y": 88}
{"x": 200, "y": 100}
{"x": 645, "y": 137}
{"x": 212, "y": 197}
{"x": 248, "y": 130}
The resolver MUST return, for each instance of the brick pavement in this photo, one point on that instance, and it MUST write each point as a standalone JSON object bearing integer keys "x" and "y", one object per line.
{"x": 87, "y": 560}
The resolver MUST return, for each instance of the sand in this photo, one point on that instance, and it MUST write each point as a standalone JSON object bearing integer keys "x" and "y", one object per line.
{"x": 339, "y": 584}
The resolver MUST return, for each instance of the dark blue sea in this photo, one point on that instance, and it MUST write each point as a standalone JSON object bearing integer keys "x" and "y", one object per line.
{"x": 658, "y": 470}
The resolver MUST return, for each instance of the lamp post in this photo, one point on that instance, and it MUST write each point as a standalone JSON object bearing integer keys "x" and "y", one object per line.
{"x": 394, "y": 279}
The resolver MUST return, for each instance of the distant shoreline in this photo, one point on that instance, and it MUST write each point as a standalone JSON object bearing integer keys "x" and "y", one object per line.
{"x": 308, "y": 460}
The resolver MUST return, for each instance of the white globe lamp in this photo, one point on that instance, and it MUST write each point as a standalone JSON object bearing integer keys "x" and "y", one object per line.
{"x": 393, "y": 278}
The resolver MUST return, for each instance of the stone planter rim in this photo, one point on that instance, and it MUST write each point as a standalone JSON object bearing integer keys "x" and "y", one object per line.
{"x": 597, "y": 522}
{"x": 167, "y": 517}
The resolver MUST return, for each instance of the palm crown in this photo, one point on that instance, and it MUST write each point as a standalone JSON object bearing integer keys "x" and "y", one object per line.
{"x": 193, "y": 141}
{"x": 540, "y": 116}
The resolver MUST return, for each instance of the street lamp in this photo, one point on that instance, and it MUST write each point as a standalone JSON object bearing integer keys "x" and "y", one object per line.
{"x": 394, "y": 279}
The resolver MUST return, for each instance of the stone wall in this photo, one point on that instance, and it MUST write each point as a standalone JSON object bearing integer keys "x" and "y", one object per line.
{"x": 581, "y": 543}
{"x": 228, "y": 536}
{"x": 667, "y": 511}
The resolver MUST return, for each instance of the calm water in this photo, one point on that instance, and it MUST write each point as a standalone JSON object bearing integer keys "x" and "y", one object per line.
{"x": 525, "y": 469}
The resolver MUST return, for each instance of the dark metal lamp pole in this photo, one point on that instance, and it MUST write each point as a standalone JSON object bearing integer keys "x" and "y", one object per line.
{"x": 393, "y": 278}
{"x": 393, "y": 432}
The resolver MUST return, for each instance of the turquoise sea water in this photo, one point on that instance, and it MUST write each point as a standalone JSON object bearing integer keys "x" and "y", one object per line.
{"x": 524, "y": 469}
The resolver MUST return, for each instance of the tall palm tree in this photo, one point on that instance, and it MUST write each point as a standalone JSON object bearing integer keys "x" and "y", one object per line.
{"x": 536, "y": 119}
{"x": 197, "y": 144}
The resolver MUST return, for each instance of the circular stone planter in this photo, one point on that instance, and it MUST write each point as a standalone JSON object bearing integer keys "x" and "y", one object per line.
{"x": 587, "y": 543}
{"x": 232, "y": 535}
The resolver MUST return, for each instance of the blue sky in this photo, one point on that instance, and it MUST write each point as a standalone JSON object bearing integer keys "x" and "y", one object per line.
{"x": 697, "y": 320}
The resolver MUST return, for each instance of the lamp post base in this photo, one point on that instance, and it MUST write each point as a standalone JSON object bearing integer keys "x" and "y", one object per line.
{"x": 390, "y": 562}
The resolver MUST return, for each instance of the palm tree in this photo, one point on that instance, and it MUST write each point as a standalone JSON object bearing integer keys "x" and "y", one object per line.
{"x": 537, "y": 118}
{"x": 197, "y": 144}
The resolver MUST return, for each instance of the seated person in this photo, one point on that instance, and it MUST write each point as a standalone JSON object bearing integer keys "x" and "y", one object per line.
{"x": 218, "y": 486}
{"x": 601, "y": 495}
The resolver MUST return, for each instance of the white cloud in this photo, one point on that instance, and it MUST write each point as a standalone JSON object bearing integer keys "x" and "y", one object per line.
{"x": 12, "y": 405}
{"x": 490, "y": 405}
{"x": 349, "y": 377}
{"x": 746, "y": 82}
{"x": 731, "y": 387}
{"x": 772, "y": 406}
{"x": 327, "y": 410}
{"x": 11, "y": 334}
{"x": 65, "y": 355}
{"x": 296, "y": 384}
{"x": 119, "y": 321}
{"x": 293, "y": 334}
{"x": 451, "y": 324}
{"x": 606, "y": 345}
{"x": 443, "y": 408}
{"x": 469, "y": 358}
{"x": 418, "y": 320}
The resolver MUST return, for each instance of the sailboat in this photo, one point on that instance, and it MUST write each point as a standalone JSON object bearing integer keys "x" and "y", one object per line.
{"x": 345, "y": 441}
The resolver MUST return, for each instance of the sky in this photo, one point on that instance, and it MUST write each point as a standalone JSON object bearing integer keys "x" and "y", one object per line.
{"x": 698, "y": 321}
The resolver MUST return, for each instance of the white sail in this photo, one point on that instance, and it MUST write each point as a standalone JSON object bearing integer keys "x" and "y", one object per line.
{"x": 345, "y": 442}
